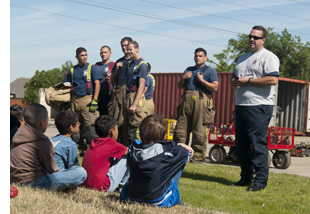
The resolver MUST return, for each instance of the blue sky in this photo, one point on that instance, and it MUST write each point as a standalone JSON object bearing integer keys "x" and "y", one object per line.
{"x": 44, "y": 34}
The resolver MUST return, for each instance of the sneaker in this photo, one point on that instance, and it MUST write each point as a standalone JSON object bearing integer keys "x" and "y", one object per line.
{"x": 119, "y": 188}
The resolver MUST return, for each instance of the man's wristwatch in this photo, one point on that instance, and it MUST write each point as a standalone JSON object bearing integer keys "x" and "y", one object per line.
{"x": 249, "y": 83}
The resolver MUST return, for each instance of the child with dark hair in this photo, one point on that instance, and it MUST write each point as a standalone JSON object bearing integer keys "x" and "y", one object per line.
{"x": 16, "y": 120}
{"x": 31, "y": 157}
{"x": 17, "y": 111}
{"x": 66, "y": 150}
{"x": 155, "y": 166}
{"x": 105, "y": 159}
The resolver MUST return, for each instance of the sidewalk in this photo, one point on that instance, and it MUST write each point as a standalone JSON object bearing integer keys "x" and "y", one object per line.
{"x": 299, "y": 165}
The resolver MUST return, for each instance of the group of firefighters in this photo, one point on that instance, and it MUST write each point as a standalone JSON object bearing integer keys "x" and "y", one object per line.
{"x": 124, "y": 90}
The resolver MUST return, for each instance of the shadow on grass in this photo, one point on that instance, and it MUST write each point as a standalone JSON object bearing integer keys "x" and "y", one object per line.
{"x": 227, "y": 162}
{"x": 196, "y": 176}
{"x": 113, "y": 196}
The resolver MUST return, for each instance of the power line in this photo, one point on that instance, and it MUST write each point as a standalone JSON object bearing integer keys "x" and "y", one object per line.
{"x": 152, "y": 16}
{"x": 273, "y": 12}
{"x": 189, "y": 10}
{"x": 195, "y": 11}
{"x": 300, "y": 2}
{"x": 117, "y": 26}
{"x": 167, "y": 19}
{"x": 251, "y": 14}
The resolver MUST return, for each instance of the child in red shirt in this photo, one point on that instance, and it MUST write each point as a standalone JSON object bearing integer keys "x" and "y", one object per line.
{"x": 105, "y": 160}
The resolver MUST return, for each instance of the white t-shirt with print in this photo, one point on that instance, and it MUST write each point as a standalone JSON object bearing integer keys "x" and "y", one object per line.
{"x": 256, "y": 65}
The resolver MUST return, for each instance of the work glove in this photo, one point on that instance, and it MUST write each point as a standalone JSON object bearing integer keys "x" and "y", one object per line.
{"x": 93, "y": 106}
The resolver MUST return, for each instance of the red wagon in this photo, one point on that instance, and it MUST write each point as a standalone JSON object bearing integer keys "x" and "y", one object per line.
{"x": 280, "y": 142}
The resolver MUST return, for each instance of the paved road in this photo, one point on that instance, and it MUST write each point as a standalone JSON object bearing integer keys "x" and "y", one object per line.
{"x": 299, "y": 166}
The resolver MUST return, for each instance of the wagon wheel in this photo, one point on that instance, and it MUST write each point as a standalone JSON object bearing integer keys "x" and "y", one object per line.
{"x": 224, "y": 153}
{"x": 217, "y": 154}
{"x": 281, "y": 159}
{"x": 232, "y": 154}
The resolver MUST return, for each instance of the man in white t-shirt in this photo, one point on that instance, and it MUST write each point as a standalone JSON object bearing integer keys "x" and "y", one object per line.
{"x": 254, "y": 77}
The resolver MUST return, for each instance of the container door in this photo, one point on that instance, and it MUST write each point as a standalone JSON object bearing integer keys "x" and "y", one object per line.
{"x": 273, "y": 119}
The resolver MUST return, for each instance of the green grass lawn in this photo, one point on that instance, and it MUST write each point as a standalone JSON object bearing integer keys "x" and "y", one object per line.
{"x": 203, "y": 187}
{"x": 206, "y": 186}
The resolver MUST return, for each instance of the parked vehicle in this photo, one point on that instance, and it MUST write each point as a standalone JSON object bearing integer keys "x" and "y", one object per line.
{"x": 301, "y": 149}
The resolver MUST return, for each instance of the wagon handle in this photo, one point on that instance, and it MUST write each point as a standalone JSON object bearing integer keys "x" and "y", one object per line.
{"x": 225, "y": 129}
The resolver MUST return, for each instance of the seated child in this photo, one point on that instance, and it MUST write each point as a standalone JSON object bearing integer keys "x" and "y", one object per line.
{"x": 67, "y": 123}
{"x": 31, "y": 157}
{"x": 17, "y": 111}
{"x": 105, "y": 159}
{"x": 155, "y": 165}
{"x": 16, "y": 120}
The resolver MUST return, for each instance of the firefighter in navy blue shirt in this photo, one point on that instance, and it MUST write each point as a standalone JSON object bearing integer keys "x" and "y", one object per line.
{"x": 134, "y": 108}
{"x": 85, "y": 87}
{"x": 105, "y": 68}
{"x": 119, "y": 80}
{"x": 196, "y": 112}
{"x": 149, "y": 91}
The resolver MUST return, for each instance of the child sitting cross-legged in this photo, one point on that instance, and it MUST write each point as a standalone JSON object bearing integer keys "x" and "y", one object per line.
{"x": 105, "y": 159}
{"x": 155, "y": 165}
{"x": 67, "y": 123}
{"x": 31, "y": 158}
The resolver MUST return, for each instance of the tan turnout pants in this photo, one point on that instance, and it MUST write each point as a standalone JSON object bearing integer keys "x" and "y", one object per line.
{"x": 86, "y": 118}
{"x": 133, "y": 120}
{"x": 115, "y": 107}
{"x": 149, "y": 104}
{"x": 194, "y": 115}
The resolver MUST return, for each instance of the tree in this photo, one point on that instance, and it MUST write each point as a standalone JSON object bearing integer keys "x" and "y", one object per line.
{"x": 44, "y": 79}
{"x": 293, "y": 54}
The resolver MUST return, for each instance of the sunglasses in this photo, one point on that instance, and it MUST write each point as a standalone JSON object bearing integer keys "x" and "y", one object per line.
{"x": 255, "y": 37}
